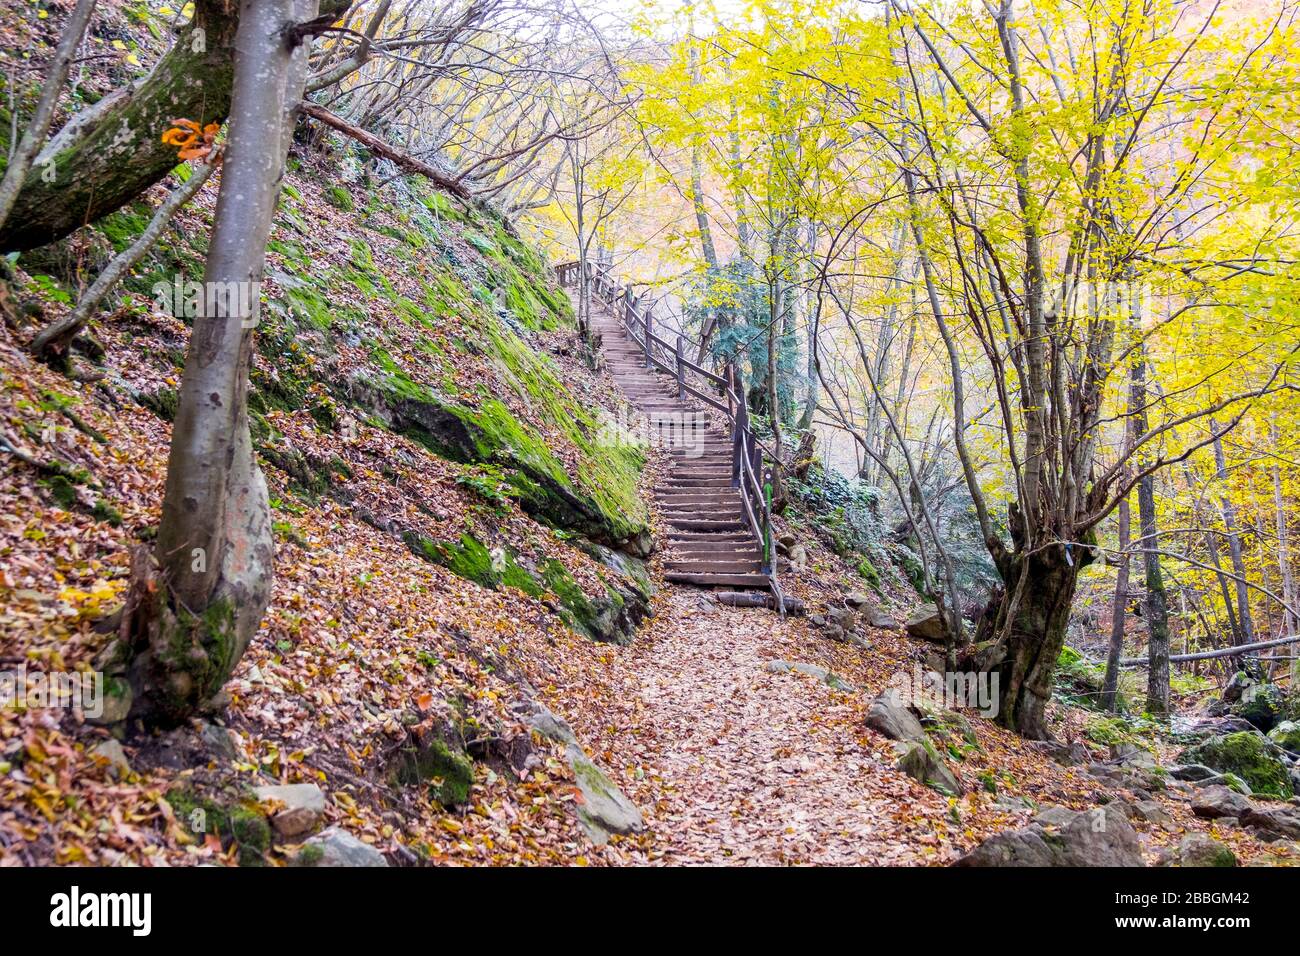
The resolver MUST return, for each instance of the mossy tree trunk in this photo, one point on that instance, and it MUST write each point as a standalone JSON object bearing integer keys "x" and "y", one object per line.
{"x": 110, "y": 152}
{"x": 214, "y": 544}
{"x": 1031, "y": 620}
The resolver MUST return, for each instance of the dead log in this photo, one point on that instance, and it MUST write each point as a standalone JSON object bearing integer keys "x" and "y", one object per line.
{"x": 793, "y": 605}
{"x": 387, "y": 150}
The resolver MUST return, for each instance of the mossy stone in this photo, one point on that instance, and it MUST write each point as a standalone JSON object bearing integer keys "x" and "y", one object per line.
{"x": 1246, "y": 754}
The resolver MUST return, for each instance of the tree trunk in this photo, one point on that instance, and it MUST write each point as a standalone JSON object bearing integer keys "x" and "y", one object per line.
{"x": 33, "y": 137}
{"x": 1031, "y": 618}
{"x": 1289, "y": 623}
{"x": 109, "y": 153}
{"x": 1229, "y": 513}
{"x": 1118, "y": 612}
{"x": 1157, "y": 604}
{"x": 214, "y": 543}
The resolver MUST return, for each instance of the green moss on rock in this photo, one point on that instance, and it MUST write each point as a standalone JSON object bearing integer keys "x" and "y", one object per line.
{"x": 339, "y": 198}
{"x": 448, "y": 771}
{"x": 1249, "y": 755}
{"x": 237, "y": 823}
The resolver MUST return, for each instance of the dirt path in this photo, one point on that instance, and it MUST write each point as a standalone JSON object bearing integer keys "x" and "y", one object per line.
{"x": 733, "y": 764}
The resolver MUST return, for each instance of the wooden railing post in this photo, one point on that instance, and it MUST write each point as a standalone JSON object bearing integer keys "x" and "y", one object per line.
{"x": 681, "y": 368}
{"x": 648, "y": 344}
{"x": 740, "y": 425}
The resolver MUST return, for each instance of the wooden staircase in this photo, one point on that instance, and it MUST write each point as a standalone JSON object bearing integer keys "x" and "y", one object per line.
{"x": 709, "y": 542}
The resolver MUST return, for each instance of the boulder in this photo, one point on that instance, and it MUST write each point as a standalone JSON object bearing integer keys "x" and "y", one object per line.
{"x": 1067, "y": 755}
{"x": 605, "y": 809}
{"x": 926, "y": 625}
{"x": 1059, "y": 837}
{"x": 1218, "y": 801}
{"x": 337, "y": 847}
{"x": 857, "y": 600}
{"x": 888, "y": 715}
{"x": 1197, "y": 849}
{"x": 1193, "y": 772}
{"x": 1128, "y": 777}
{"x": 922, "y": 762}
{"x": 1262, "y": 705}
{"x": 1250, "y": 756}
{"x": 1218, "y": 726}
{"x": 301, "y": 807}
{"x": 1150, "y": 811}
{"x": 798, "y": 557}
{"x": 842, "y": 617}
{"x": 875, "y": 617}
{"x": 1280, "y": 821}
{"x": 1287, "y": 736}
{"x": 556, "y": 729}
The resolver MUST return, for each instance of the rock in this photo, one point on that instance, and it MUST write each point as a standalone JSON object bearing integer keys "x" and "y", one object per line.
{"x": 842, "y": 617}
{"x": 946, "y": 724}
{"x": 1219, "y": 801}
{"x": 1130, "y": 755}
{"x": 1193, "y": 772}
{"x": 1060, "y": 837}
{"x": 1212, "y": 726}
{"x": 303, "y": 807}
{"x": 1233, "y": 782}
{"x": 1237, "y": 686}
{"x": 888, "y": 715}
{"x": 1198, "y": 849}
{"x": 812, "y": 670}
{"x": 787, "y": 540}
{"x": 546, "y": 723}
{"x": 336, "y": 847}
{"x": 857, "y": 600}
{"x": 1279, "y": 821}
{"x": 1262, "y": 705}
{"x": 112, "y": 753}
{"x": 1287, "y": 736}
{"x": 798, "y": 557}
{"x": 817, "y": 620}
{"x": 114, "y": 703}
{"x": 1055, "y": 817}
{"x": 1067, "y": 755}
{"x": 1151, "y": 812}
{"x": 605, "y": 809}
{"x": 1250, "y": 756}
{"x": 1128, "y": 778}
{"x": 922, "y": 762}
{"x": 875, "y": 617}
{"x": 926, "y": 625}
{"x": 219, "y": 741}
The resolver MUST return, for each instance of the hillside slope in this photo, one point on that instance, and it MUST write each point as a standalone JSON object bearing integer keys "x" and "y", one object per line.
{"x": 447, "y": 511}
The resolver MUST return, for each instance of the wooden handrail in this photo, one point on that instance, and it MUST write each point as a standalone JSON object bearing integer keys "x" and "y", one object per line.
{"x": 747, "y": 472}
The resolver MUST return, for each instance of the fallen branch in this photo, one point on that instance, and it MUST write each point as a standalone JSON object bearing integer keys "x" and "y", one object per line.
{"x": 376, "y": 145}
{"x": 1222, "y": 652}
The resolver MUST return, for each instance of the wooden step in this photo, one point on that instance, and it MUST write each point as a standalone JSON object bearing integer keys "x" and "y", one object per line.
{"x": 714, "y": 566}
{"x": 717, "y": 580}
{"x": 705, "y": 524}
{"x": 676, "y": 537}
